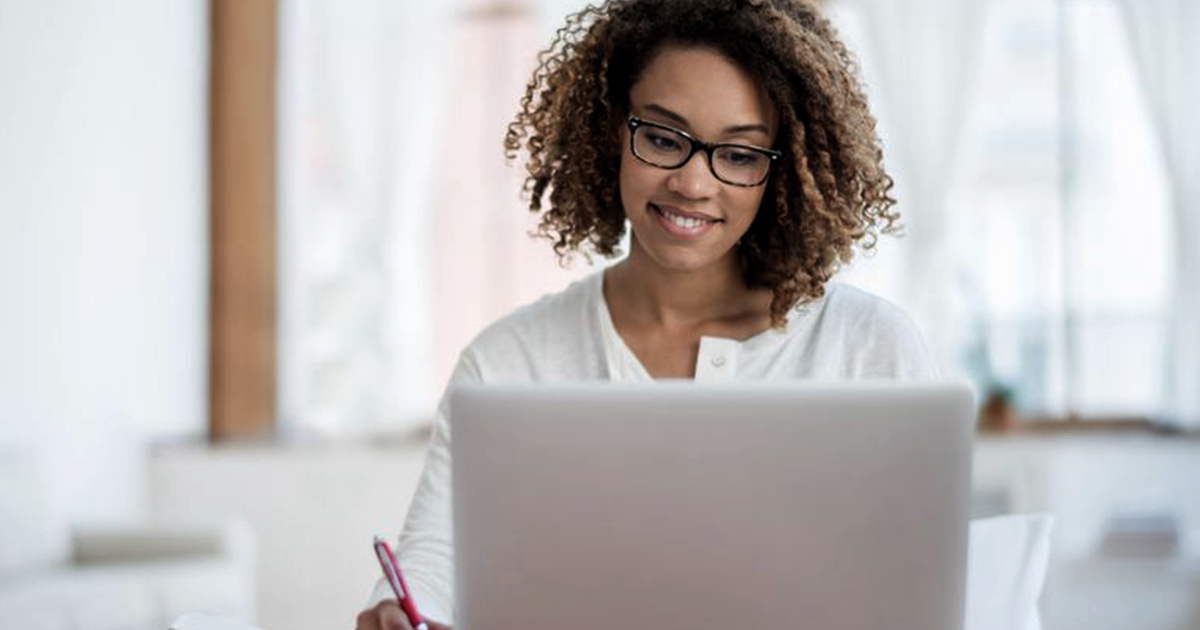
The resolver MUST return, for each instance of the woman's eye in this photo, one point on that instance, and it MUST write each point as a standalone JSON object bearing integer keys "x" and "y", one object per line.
{"x": 665, "y": 142}
{"x": 740, "y": 158}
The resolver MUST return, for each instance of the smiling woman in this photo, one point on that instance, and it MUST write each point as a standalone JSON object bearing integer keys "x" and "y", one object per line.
{"x": 784, "y": 68}
{"x": 732, "y": 139}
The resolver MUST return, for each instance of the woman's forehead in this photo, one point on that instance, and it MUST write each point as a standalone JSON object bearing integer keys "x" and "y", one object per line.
{"x": 704, "y": 90}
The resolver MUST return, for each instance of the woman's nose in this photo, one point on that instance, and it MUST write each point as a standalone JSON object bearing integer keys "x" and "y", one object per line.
{"x": 694, "y": 180}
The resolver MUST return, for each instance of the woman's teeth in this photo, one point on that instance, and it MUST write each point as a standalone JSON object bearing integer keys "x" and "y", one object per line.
{"x": 681, "y": 221}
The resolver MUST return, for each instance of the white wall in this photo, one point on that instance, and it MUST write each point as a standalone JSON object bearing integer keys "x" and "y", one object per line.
{"x": 103, "y": 256}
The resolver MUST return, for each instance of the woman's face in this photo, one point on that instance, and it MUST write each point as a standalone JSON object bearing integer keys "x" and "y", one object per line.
{"x": 686, "y": 219}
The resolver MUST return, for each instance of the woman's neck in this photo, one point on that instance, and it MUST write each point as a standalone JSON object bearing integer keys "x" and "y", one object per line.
{"x": 646, "y": 294}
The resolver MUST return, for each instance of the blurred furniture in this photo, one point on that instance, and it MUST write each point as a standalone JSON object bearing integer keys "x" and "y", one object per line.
{"x": 314, "y": 509}
{"x": 140, "y": 577}
{"x": 1126, "y": 544}
{"x": 1118, "y": 593}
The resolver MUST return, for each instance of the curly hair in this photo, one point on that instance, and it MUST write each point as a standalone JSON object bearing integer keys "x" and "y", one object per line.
{"x": 829, "y": 191}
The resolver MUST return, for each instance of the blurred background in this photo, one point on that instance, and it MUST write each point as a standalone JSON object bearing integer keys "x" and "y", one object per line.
{"x": 242, "y": 242}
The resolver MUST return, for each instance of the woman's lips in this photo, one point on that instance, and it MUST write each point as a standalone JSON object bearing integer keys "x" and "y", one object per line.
{"x": 680, "y": 225}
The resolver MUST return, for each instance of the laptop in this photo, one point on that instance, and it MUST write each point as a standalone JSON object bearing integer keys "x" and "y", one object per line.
{"x": 678, "y": 506}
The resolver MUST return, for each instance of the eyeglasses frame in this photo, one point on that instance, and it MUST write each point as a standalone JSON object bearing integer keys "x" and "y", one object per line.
{"x": 633, "y": 122}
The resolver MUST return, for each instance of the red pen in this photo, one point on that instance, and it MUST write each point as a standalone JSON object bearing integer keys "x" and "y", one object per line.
{"x": 391, "y": 571}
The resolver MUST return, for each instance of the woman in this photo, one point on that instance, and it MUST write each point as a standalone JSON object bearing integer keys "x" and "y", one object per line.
{"x": 734, "y": 138}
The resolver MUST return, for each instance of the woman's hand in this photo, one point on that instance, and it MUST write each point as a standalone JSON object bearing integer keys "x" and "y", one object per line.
{"x": 386, "y": 615}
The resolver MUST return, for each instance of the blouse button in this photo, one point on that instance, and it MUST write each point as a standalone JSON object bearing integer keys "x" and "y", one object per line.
{"x": 718, "y": 361}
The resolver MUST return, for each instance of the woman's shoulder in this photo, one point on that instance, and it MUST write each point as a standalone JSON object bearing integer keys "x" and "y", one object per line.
{"x": 546, "y": 314}
{"x": 848, "y": 305}
{"x": 551, "y": 328}
{"x": 869, "y": 335}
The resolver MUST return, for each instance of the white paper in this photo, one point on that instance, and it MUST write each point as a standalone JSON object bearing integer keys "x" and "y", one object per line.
{"x": 1006, "y": 570}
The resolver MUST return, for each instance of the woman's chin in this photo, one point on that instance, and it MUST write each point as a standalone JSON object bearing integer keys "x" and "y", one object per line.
{"x": 683, "y": 261}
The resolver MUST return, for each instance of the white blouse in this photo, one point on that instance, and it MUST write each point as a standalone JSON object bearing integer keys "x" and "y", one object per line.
{"x": 569, "y": 336}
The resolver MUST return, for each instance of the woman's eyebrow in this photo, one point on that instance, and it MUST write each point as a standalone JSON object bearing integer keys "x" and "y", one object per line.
{"x": 663, "y": 111}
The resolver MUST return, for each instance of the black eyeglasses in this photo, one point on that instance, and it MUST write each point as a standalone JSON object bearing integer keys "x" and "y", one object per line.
{"x": 669, "y": 148}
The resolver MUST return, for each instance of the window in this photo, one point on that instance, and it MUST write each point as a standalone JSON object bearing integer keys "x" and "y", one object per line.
{"x": 1060, "y": 217}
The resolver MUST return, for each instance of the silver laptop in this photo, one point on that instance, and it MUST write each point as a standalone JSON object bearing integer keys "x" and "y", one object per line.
{"x": 686, "y": 507}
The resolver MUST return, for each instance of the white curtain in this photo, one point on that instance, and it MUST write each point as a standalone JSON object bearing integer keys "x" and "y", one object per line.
{"x": 402, "y": 229}
{"x": 923, "y": 54}
{"x": 1165, "y": 35}
{"x": 359, "y": 85}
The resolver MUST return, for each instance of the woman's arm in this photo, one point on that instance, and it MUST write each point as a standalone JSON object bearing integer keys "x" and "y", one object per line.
{"x": 426, "y": 550}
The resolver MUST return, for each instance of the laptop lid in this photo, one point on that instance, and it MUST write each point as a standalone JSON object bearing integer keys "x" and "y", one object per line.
{"x": 834, "y": 507}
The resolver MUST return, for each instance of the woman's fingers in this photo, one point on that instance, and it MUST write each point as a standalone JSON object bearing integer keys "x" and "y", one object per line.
{"x": 391, "y": 617}
{"x": 367, "y": 620}
{"x": 386, "y": 615}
